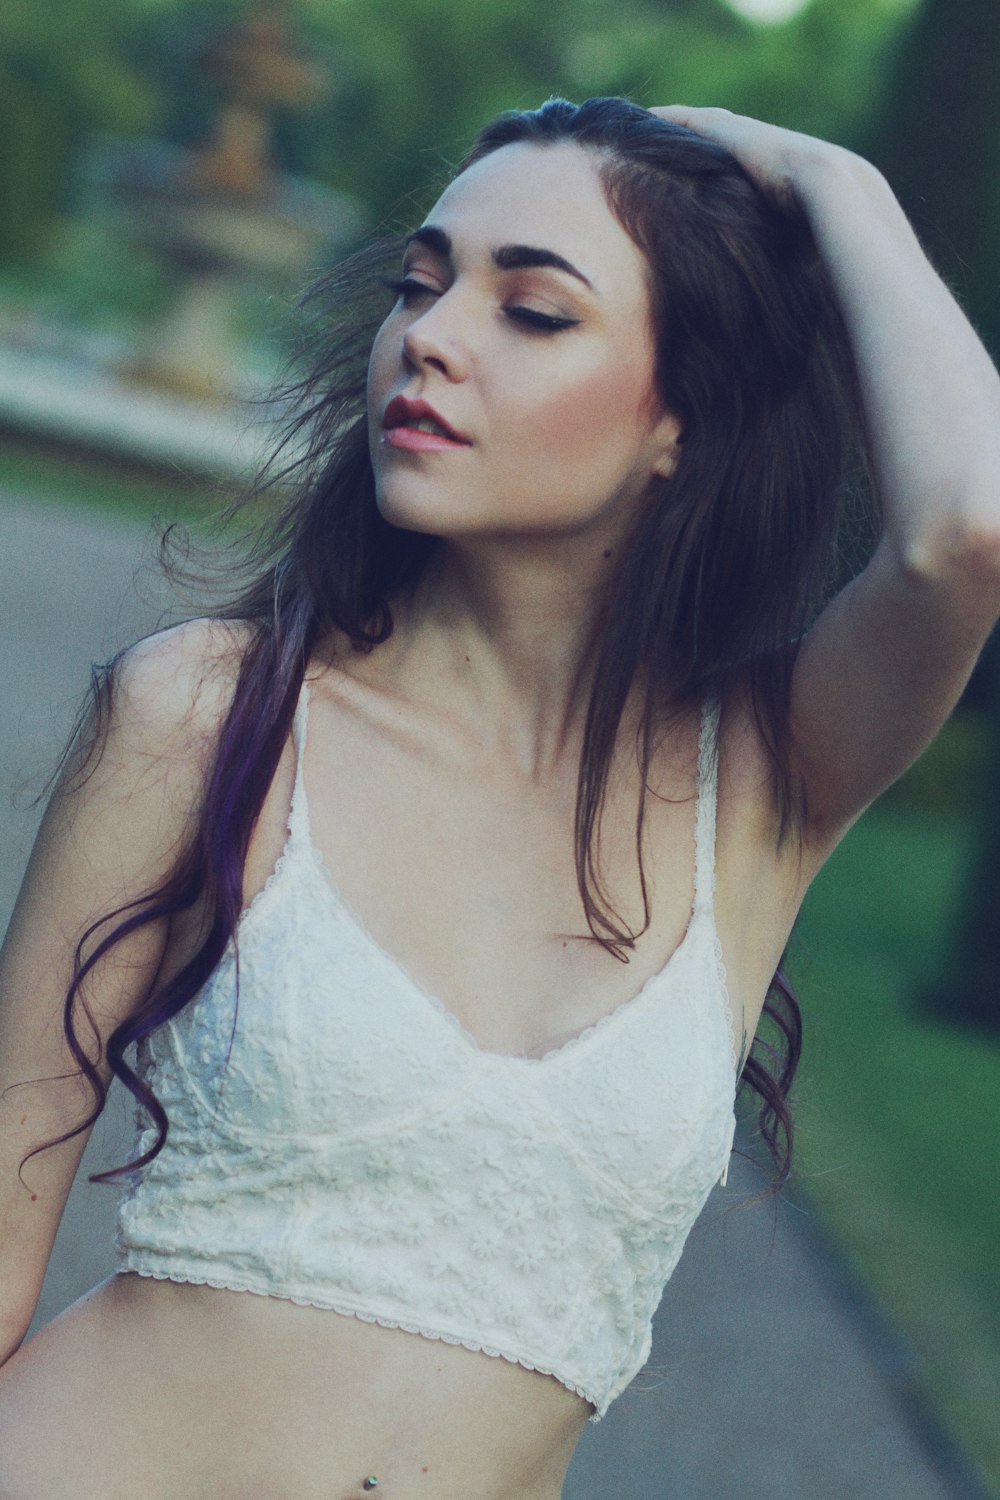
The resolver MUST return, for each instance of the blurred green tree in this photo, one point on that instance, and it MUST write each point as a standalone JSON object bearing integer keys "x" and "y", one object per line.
{"x": 937, "y": 138}
{"x": 64, "y": 73}
{"x": 412, "y": 82}
{"x": 938, "y": 141}
{"x": 420, "y": 76}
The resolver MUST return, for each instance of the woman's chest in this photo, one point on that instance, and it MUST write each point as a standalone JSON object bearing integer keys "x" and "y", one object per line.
{"x": 422, "y": 933}
{"x": 470, "y": 878}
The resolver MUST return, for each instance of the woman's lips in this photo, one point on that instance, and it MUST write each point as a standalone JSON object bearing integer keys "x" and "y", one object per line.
{"x": 416, "y": 426}
{"x": 418, "y": 441}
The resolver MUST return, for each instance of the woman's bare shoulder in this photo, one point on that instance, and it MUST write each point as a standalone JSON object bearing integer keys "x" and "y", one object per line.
{"x": 186, "y": 669}
{"x": 154, "y": 721}
{"x": 171, "y": 690}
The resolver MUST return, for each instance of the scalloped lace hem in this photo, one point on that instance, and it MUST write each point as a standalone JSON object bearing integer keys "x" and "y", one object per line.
{"x": 234, "y": 1284}
{"x": 727, "y": 1004}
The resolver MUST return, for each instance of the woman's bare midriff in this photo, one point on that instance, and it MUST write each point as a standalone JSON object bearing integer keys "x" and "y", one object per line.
{"x": 179, "y": 1392}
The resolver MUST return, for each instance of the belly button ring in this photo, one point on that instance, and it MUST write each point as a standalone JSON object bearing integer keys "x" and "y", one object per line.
{"x": 371, "y": 1483}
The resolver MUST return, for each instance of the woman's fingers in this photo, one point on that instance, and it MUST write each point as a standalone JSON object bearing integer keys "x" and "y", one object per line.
{"x": 769, "y": 154}
{"x": 684, "y": 114}
{"x": 717, "y": 124}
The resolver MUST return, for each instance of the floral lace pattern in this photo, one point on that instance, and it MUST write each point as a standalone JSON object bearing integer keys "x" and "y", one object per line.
{"x": 359, "y": 1151}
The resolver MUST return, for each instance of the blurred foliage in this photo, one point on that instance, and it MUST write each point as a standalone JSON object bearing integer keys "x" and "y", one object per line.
{"x": 937, "y": 138}
{"x": 421, "y": 76}
{"x": 946, "y": 779}
{"x": 64, "y": 72}
{"x": 117, "y": 489}
{"x": 891, "y": 1106}
{"x": 412, "y": 80}
{"x": 99, "y": 271}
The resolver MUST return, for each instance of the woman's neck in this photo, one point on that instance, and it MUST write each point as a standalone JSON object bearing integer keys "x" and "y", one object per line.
{"x": 506, "y": 635}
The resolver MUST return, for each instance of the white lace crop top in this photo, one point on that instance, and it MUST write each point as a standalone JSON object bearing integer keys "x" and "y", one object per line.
{"x": 361, "y": 1152}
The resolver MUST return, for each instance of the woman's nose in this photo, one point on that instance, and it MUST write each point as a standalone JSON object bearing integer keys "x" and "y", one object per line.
{"x": 434, "y": 339}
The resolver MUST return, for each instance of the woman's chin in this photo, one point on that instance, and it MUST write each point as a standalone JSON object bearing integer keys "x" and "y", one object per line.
{"x": 409, "y": 517}
{"x": 425, "y": 513}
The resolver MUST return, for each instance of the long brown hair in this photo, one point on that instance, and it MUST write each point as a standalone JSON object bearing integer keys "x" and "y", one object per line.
{"x": 726, "y": 567}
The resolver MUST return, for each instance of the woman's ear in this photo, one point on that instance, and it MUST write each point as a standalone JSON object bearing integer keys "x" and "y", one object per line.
{"x": 667, "y": 440}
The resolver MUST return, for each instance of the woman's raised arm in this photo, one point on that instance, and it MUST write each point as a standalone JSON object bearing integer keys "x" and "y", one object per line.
{"x": 887, "y": 660}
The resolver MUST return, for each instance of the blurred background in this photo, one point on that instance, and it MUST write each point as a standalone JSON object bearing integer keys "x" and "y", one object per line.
{"x": 172, "y": 174}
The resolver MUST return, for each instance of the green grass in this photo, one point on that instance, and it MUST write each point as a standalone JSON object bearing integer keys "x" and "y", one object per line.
{"x": 104, "y": 486}
{"x": 897, "y": 1112}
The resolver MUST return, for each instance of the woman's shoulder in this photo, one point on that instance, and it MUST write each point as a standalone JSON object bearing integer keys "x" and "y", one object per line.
{"x": 180, "y": 681}
{"x": 156, "y": 713}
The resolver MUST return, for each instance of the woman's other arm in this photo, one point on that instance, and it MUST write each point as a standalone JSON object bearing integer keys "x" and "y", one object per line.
{"x": 887, "y": 660}
{"x": 106, "y": 837}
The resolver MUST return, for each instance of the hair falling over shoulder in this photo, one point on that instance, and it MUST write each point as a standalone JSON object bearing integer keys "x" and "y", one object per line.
{"x": 726, "y": 568}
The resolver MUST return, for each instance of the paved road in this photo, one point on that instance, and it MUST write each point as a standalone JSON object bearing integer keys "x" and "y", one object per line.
{"x": 770, "y": 1378}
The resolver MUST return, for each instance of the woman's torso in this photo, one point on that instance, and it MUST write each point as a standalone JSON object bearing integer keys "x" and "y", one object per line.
{"x": 462, "y": 866}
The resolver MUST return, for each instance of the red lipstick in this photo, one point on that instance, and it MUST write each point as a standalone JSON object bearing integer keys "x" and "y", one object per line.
{"x": 415, "y": 425}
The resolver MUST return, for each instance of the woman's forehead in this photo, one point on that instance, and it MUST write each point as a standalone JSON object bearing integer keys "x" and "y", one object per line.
{"x": 550, "y": 196}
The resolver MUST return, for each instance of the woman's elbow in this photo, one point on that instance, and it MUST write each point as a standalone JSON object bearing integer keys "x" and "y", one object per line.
{"x": 960, "y": 553}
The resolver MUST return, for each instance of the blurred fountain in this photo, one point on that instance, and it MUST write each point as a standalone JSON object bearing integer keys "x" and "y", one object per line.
{"x": 222, "y": 214}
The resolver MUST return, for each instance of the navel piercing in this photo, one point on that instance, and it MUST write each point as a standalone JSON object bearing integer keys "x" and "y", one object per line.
{"x": 371, "y": 1483}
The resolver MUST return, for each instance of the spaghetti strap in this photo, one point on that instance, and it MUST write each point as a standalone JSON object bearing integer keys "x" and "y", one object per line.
{"x": 298, "y": 816}
{"x": 704, "y": 890}
{"x": 708, "y": 788}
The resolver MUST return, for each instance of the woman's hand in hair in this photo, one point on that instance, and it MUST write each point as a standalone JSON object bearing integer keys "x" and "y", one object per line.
{"x": 771, "y": 156}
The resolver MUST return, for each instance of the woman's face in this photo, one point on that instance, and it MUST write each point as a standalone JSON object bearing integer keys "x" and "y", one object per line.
{"x": 523, "y": 323}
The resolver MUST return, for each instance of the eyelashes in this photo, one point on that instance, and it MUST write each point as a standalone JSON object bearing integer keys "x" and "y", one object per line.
{"x": 543, "y": 321}
{"x": 409, "y": 290}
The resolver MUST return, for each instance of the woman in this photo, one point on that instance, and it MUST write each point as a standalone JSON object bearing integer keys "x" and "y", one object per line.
{"x": 549, "y": 606}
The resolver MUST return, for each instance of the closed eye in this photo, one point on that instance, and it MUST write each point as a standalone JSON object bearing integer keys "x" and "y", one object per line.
{"x": 408, "y": 290}
{"x": 543, "y": 322}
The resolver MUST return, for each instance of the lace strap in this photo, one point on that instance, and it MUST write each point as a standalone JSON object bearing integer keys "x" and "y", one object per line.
{"x": 708, "y": 787}
{"x": 298, "y": 817}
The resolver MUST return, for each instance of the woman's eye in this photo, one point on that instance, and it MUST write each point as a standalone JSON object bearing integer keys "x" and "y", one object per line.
{"x": 408, "y": 290}
{"x": 544, "y": 322}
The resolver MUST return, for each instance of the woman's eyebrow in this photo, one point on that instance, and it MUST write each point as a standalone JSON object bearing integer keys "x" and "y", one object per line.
{"x": 506, "y": 257}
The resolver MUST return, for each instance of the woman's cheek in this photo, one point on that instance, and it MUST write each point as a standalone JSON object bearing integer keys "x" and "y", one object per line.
{"x": 598, "y": 418}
